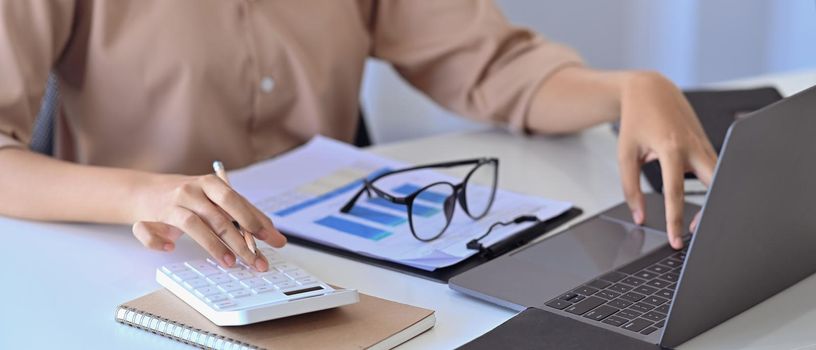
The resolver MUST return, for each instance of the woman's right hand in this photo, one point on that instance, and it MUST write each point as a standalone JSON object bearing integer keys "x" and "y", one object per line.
{"x": 202, "y": 207}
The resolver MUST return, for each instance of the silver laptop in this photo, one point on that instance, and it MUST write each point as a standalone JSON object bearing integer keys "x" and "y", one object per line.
{"x": 756, "y": 237}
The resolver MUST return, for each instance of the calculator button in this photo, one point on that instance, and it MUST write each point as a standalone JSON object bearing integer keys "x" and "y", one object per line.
{"x": 231, "y": 269}
{"x": 275, "y": 278}
{"x": 272, "y": 256}
{"x": 263, "y": 289}
{"x": 230, "y": 286}
{"x": 240, "y": 293}
{"x": 216, "y": 298}
{"x": 197, "y": 264}
{"x": 204, "y": 268}
{"x": 285, "y": 267}
{"x": 297, "y": 274}
{"x": 185, "y": 275}
{"x": 254, "y": 282}
{"x": 308, "y": 280}
{"x": 224, "y": 304}
{"x": 207, "y": 291}
{"x": 195, "y": 283}
{"x": 175, "y": 268}
{"x": 287, "y": 284}
{"x": 241, "y": 275}
{"x": 219, "y": 278}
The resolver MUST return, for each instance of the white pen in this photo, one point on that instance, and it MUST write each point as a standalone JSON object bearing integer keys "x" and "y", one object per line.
{"x": 218, "y": 167}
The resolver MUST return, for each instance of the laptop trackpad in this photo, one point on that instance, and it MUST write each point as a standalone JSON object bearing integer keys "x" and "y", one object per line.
{"x": 588, "y": 250}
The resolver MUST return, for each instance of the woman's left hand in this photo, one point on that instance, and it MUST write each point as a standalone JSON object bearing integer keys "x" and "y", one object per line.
{"x": 658, "y": 123}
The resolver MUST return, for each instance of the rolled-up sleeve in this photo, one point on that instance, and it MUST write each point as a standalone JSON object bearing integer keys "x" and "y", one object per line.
{"x": 32, "y": 35}
{"x": 466, "y": 56}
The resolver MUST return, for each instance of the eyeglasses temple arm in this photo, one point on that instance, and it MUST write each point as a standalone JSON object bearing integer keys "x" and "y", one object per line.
{"x": 350, "y": 204}
{"x": 435, "y": 165}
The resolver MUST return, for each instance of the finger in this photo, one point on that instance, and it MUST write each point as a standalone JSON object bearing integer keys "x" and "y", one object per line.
{"x": 271, "y": 235}
{"x": 703, "y": 166}
{"x": 235, "y": 205}
{"x": 695, "y": 221}
{"x": 221, "y": 224}
{"x": 189, "y": 222}
{"x": 629, "y": 164}
{"x": 155, "y": 235}
{"x": 673, "y": 172}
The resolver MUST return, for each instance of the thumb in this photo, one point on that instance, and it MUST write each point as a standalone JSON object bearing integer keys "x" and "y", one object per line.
{"x": 156, "y": 235}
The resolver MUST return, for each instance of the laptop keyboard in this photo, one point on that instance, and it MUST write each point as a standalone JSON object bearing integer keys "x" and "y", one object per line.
{"x": 633, "y": 298}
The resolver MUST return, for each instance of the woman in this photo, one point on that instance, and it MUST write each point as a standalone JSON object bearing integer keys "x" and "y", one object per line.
{"x": 154, "y": 90}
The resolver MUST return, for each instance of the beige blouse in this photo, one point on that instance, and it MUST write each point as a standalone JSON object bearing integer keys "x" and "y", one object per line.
{"x": 171, "y": 85}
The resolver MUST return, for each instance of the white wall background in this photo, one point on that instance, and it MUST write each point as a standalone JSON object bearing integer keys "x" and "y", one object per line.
{"x": 693, "y": 42}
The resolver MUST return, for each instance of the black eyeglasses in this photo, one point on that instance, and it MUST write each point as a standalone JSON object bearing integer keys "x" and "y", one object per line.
{"x": 430, "y": 208}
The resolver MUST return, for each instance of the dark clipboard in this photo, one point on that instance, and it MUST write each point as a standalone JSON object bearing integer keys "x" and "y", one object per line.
{"x": 444, "y": 274}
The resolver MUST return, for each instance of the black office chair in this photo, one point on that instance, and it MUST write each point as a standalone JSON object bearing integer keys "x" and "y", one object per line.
{"x": 42, "y": 139}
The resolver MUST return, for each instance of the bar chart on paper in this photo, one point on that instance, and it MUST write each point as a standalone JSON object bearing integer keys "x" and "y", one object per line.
{"x": 371, "y": 218}
{"x": 304, "y": 190}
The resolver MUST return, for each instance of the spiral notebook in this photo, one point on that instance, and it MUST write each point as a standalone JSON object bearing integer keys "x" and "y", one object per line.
{"x": 373, "y": 323}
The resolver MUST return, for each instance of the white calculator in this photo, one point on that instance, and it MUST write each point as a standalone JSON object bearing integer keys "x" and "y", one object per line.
{"x": 240, "y": 295}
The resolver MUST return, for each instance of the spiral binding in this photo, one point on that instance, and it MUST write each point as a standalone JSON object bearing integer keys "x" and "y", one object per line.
{"x": 180, "y": 332}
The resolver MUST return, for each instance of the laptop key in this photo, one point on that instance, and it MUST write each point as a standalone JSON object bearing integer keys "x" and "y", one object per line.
{"x": 637, "y": 325}
{"x": 607, "y": 294}
{"x": 654, "y": 316}
{"x": 615, "y": 321}
{"x": 633, "y": 281}
{"x": 660, "y": 324}
{"x": 613, "y": 276}
{"x": 641, "y": 307}
{"x": 558, "y": 304}
{"x": 586, "y": 305}
{"x": 671, "y": 286}
{"x": 619, "y": 303}
{"x": 568, "y": 296}
{"x": 671, "y": 276}
{"x": 600, "y": 312}
{"x": 672, "y": 262}
{"x": 600, "y": 284}
{"x": 663, "y": 309}
{"x": 648, "y": 331}
{"x": 585, "y": 290}
{"x": 572, "y": 297}
{"x": 665, "y": 293}
{"x": 620, "y": 288}
{"x": 659, "y": 269}
{"x": 647, "y": 275}
{"x": 628, "y": 313}
{"x": 645, "y": 290}
{"x": 655, "y": 300}
{"x": 658, "y": 283}
{"x": 632, "y": 296}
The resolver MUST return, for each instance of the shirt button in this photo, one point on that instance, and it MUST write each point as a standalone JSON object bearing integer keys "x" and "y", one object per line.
{"x": 267, "y": 84}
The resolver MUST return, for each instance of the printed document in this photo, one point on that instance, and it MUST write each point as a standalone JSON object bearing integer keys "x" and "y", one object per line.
{"x": 303, "y": 191}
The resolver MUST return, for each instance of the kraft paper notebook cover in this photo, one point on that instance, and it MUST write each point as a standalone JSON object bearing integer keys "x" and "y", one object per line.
{"x": 373, "y": 323}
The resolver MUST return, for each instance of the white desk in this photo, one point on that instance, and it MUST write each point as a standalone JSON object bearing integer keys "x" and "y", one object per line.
{"x": 61, "y": 282}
